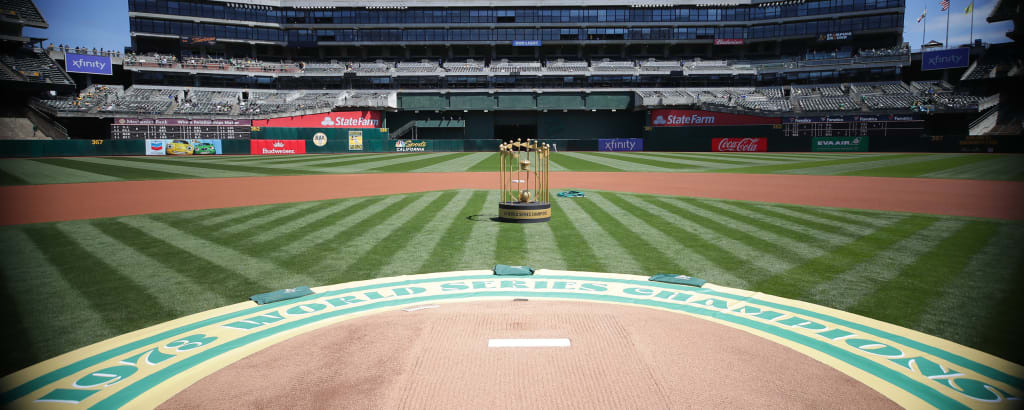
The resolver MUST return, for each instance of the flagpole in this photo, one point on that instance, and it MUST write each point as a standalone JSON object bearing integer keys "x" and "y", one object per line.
{"x": 947, "y": 28}
{"x": 925, "y": 31}
{"x": 972, "y": 23}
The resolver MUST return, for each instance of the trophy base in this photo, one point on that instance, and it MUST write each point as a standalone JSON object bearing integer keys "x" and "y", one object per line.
{"x": 524, "y": 212}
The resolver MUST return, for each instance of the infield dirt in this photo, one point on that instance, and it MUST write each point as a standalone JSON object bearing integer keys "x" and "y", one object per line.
{"x": 64, "y": 202}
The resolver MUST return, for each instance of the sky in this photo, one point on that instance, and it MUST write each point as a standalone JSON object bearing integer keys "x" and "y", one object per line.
{"x": 104, "y": 23}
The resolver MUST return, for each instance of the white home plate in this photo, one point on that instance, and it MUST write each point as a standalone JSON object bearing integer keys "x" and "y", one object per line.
{"x": 528, "y": 343}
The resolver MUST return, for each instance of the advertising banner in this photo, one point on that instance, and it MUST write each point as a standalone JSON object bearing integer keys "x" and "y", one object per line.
{"x": 728, "y": 41}
{"x": 850, "y": 118}
{"x": 184, "y": 147}
{"x": 337, "y": 119}
{"x": 621, "y": 144}
{"x": 526, "y": 43}
{"x": 839, "y": 144}
{"x": 277, "y": 147}
{"x": 739, "y": 145}
{"x": 87, "y": 64}
{"x": 181, "y": 121}
{"x": 355, "y": 140}
{"x": 410, "y": 146}
{"x": 943, "y": 59}
{"x": 697, "y": 118}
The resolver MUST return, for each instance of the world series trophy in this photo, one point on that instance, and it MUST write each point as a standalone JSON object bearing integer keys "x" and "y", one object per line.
{"x": 523, "y": 174}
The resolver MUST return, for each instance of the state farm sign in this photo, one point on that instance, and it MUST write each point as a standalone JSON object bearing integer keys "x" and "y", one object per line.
{"x": 699, "y": 118}
{"x": 336, "y": 119}
{"x": 739, "y": 144}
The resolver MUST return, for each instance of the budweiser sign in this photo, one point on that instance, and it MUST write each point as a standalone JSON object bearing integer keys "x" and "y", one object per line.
{"x": 739, "y": 144}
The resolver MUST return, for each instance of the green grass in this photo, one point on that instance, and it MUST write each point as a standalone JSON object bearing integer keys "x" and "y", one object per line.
{"x": 21, "y": 171}
{"x": 69, "y": 284}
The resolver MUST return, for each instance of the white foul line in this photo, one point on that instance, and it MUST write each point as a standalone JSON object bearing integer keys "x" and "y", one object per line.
{"x": 528, "y": 343}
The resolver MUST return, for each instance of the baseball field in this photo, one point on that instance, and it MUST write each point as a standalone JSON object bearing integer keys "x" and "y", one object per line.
{"x": 71, "y": 283}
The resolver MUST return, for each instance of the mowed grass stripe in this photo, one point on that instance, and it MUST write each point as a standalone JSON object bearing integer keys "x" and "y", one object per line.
{"x": 784, "y": 229}
{"x": 348, "y": 162}
{"x": 15, "y": 330}
{"x": 857, "y": 282}
{"x": 283, "y": 222}
{"x": 797, "y": 282}
{"x": 164, "y": 165}
{"x": 421, "y": 244}
{"x": 1001, "y": 167}
{"x": 116, "y": 171}
{"x": 646, "y": 161}
{"x": 570, "y": 243}
{"x": 234, "y": 168}
{"x": 708, "y": 160}
{"x": 265, "y": 273}
{"x": 801, "y": 219}
{"x": 116, "y": 298}
{"x": 237, "y": 216}
{"x": 858, "y": 166}
{"x": 768, "y": 169}
{"x": 760, "y": 258}
{"x": 293, "y": 237}
{"x": 571, "y": 163}
{"x": 649, "y": 256}
{"x": 608, "y": 251}
{"x": 999, "y": 263}
{"x": 323, "y": 234}
{"x": 919, "y": 168}
{"x": 309, "y": 257}
{"x": 245, "y": 229}
{"x": 416, "y": 165}
{"x": 34, "y": 172}
{"x": 615, "y": 162}
{"x": 159, "y": 277}
{"x": 487, "y": 164}
{"x": 924, "y": 280}
{"x": 203, "y": 274}
{"x": 33, "y": 281}
{"x": 9, "y": 179}
{"x": 450, "y": 247}
{"x": 460, "y": 163}
{"x": 855, "y": 223}
{"x": 510, "y": 248}
{"x": 338, "y": 266}
{"x": 369, "y": 264}
{"x": 701, "y": 256}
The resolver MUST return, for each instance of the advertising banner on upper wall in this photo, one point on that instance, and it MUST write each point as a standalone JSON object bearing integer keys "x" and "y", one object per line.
{"x": 728, "y": 41}
{"x": 87, "y": 64}
{"x": 621, "y": 144}
{"x": 739, "y": 144}
{"x": 839, "y": 144}
{"x": 943, "y": 59}
{"x": 184, "y": 147}
{"x": 337, "y": 119}
{"x": 277, "y": 147}
{"x": 698, "y": 118}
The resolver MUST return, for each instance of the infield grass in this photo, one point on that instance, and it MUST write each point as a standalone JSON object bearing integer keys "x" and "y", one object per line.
{"x": 68, "y": 284}
{"x": 100, "y": 169}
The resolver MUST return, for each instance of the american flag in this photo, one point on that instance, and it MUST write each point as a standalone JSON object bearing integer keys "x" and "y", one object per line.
{"x": 924, "y": 13}
{"x": 944, "y": 4}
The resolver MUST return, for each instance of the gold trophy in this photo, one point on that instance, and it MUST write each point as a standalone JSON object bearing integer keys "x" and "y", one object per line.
{"x": 523, "y": 174}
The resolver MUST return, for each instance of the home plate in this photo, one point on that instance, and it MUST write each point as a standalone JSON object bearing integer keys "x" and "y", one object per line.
{"x": 528, "y": 343}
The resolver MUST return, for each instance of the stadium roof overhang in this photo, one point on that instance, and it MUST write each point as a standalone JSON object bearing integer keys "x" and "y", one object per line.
{"x": 401, "y": 4}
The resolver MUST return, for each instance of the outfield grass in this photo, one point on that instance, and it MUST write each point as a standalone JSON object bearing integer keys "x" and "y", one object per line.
{"x": 89, "y": 169}
{"x": 69, "y": 284}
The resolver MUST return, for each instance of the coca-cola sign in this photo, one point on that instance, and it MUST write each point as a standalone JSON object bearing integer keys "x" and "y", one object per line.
{"x": 739, "y": 144}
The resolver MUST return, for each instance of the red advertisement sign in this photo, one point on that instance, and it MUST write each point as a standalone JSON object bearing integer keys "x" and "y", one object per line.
{"x": 728, "y": 41}
{"x": 277, "y": 147}
{"x": 698, "y": 118}
{"x": 739, "y": 145}
{"x": 336, "y": 119}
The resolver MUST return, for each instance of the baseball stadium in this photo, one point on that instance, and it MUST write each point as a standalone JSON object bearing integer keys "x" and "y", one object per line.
{"x": 518, "y": 204}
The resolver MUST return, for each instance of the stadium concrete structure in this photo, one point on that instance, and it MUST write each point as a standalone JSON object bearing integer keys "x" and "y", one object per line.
{"x": 572, "y": 73}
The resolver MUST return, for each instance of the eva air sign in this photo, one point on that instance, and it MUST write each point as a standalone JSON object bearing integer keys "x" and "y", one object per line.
{"x": 839, "y": 144}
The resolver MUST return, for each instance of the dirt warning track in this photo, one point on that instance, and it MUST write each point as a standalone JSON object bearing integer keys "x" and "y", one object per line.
{"x": 64, "y": 202}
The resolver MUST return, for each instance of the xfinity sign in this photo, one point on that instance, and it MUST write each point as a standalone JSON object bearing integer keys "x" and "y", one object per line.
{"x": 81, "y": 63}
{"x": 943, "y": 59}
